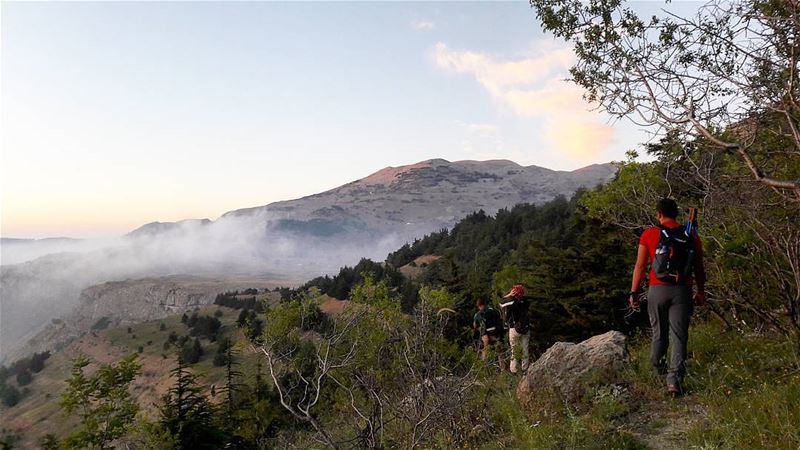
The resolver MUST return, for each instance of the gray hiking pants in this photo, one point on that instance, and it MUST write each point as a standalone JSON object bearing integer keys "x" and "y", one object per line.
{"x": 669, "y": 308}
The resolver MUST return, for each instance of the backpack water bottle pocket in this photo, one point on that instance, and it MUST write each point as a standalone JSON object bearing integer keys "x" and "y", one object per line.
{"x": 661, "y": 264}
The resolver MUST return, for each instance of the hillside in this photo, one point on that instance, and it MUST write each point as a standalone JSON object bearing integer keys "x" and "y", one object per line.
{"x": 418, "y": 198}
{"x": 576, "y": 269}
{"x": 649, "y": 303}
{"x": 38, "y": 413}
{"x": 126, "y": 302}
{"x": 401, "y": 347}
{"x": 403, "y": 202}
{"x": 725, "y": 386}
{"x": 557, "y": 251}
{"x": 291, "y": 240}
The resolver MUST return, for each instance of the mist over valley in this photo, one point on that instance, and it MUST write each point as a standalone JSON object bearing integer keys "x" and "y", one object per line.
{"x": 43, "y": 283}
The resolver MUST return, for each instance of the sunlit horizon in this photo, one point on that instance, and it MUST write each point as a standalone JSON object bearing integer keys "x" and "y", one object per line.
{"x": 119, "y": 114}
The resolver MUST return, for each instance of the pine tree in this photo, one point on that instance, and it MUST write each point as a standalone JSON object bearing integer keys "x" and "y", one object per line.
{"x": 187, "y": 414}
{"x": 230, "y": 390}
{"x": 241, "y": 321}
{"x": 221, "y": 356}
{"x": 260, "y": 414}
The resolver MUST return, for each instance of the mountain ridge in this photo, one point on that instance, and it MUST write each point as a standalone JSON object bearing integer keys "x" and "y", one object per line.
{"x": 411, "y": 200}
{"x": 407, "y": 200}
{"x": 316, "y": 234}
{"x": 396, "y": 171}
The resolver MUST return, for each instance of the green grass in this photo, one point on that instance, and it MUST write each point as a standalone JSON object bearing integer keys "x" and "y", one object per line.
{"x": 742, "y": 392}
{"x": 747, "y": 386}
{"x": 750, "y": 386}
{"x": 547, "y": 423}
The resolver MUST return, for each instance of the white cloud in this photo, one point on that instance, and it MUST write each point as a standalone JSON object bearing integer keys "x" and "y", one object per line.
{"x": 423, "y": 25}
{"x": 533, "y": 86}
{"x": 496, "y": 74}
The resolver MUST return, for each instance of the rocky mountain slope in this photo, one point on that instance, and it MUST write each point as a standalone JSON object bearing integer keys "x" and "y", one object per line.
{"x": 423, "y": 197}
{"x": 288, "y": 240}
{"x": 121, "y": 303}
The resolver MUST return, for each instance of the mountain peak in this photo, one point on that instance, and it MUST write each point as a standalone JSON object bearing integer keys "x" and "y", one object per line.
{"x": 389, "y": 174}
{"x": 417, "y": 198}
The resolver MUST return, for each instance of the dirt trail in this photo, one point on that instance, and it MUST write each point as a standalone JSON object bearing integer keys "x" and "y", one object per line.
{"x": 663, "y": 424}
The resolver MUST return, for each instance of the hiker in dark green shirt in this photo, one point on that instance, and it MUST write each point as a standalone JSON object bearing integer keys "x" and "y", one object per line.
{"x": 489, "y": 324}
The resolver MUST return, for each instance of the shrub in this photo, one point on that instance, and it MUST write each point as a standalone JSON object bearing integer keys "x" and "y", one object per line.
{"x": 221, "y": 356}
{"x": 101, "y": 324}
{"x": 191, "y": 352}
{"x": 9, "y": 395}
{"x": 24, "y": 378}
{"x": 204, "y": 326}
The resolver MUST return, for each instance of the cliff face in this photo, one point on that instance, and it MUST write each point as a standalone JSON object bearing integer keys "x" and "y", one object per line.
{"x": 119, "y": 303}
{"x": 150, "y": 298}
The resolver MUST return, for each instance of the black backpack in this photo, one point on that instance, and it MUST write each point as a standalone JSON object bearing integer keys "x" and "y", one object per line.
{"x": 492, "y": 321}
{"x": 674, "y": 255}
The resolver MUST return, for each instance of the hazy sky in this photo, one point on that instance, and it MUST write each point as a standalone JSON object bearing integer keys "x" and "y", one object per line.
{"x": 118, "y": 114}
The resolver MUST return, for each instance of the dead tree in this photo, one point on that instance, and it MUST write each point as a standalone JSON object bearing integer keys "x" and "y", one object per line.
{"x": 391, "y": 404}
{"x": 298, "y": 391}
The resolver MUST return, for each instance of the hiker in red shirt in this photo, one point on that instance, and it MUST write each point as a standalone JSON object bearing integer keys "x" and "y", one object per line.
{"x": 675, "y": 256}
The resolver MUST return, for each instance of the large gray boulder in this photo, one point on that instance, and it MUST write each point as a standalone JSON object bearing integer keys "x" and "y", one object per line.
{"x": 568, "y": 369}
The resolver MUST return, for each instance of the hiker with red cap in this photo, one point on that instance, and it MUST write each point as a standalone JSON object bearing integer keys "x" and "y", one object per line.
{"x": 519, "y": 325}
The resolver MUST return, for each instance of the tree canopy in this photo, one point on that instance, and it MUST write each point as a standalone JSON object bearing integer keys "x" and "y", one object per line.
{"x": 727, "y": 74}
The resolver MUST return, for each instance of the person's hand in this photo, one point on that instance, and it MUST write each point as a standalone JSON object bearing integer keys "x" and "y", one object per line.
{"x": 633, "y": 301}
{"x": 700, "y": 298}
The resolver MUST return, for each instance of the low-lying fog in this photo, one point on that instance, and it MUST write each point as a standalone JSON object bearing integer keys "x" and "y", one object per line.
{"x": 42, "y": 280}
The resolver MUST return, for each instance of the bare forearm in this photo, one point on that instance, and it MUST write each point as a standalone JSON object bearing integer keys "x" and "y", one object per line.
{"x": 638, "y": 273}
{"x": 639, "y": 268}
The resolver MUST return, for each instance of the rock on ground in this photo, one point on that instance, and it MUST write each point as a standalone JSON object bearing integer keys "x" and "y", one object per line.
{"x": 567, "y": 369}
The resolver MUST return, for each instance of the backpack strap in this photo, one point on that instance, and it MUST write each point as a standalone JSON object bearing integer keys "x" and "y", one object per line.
{"x": 666, "y": 232}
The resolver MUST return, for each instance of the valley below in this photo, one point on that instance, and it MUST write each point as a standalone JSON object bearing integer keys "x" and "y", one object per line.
{"x": 53, "y": 297}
